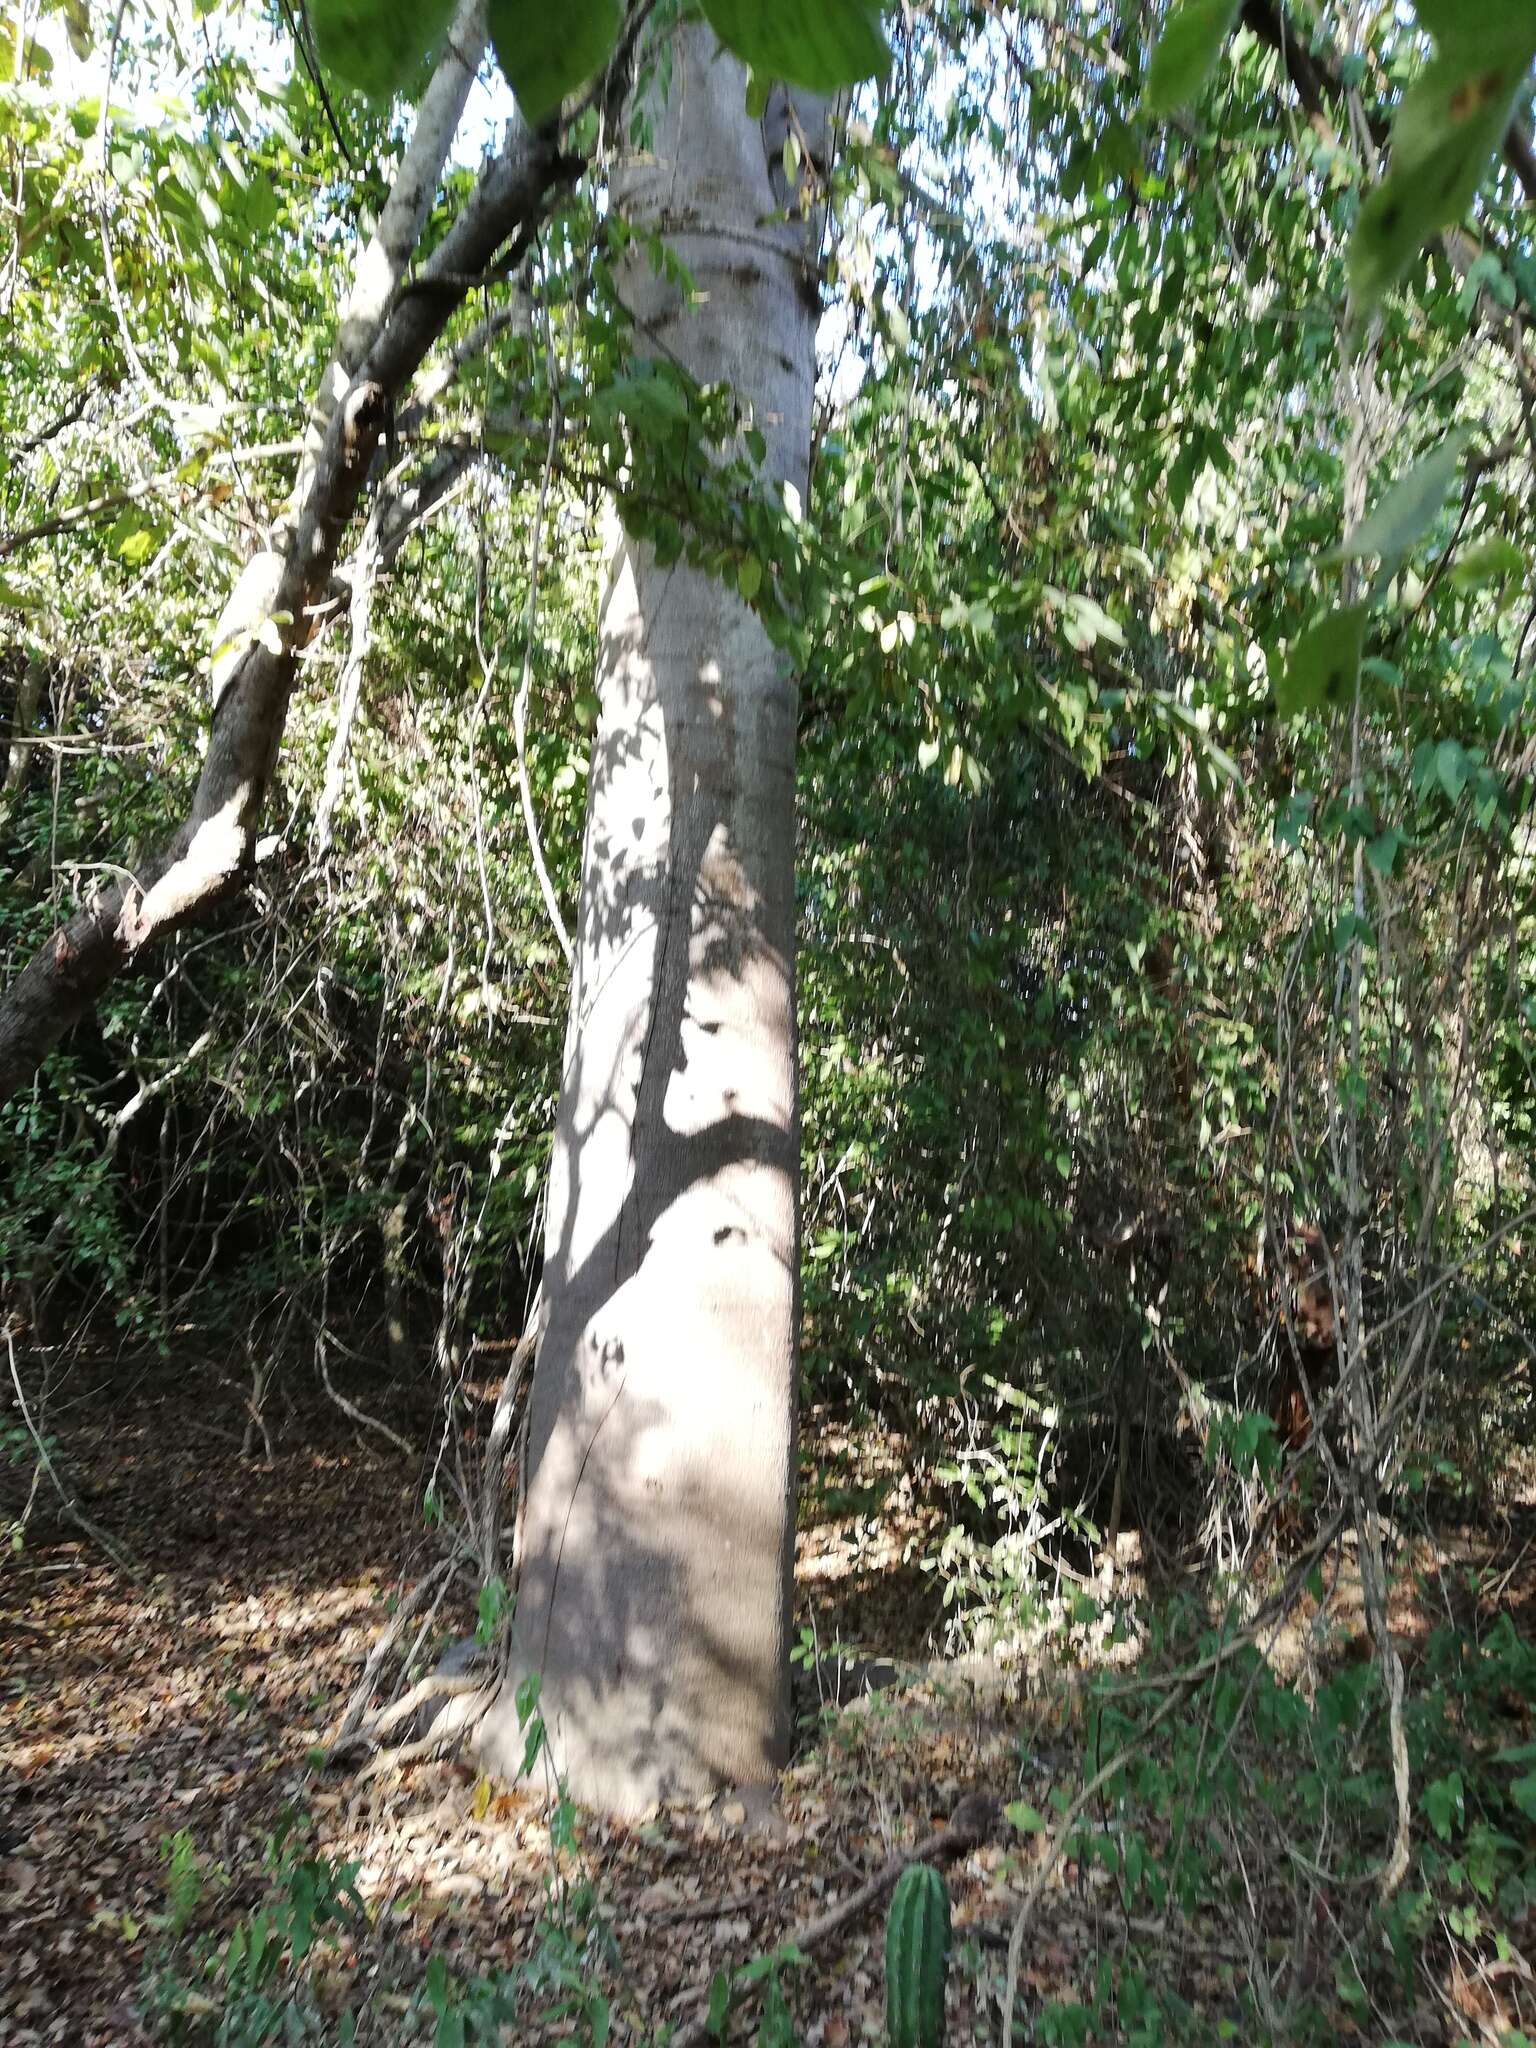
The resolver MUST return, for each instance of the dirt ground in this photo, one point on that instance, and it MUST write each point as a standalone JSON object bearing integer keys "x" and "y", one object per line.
{"x": 184, "y": 1688}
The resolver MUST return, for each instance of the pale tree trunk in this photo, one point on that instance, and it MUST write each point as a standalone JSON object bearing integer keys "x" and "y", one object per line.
{"x": 657, "y": 1537}
{"x": 18, "y": 756}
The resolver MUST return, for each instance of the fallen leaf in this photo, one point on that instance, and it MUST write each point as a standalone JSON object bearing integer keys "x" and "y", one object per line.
{"x": 17, "y": 1877}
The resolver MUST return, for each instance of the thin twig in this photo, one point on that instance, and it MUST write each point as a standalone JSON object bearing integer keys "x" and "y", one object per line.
{"x": 98, "y": 1536}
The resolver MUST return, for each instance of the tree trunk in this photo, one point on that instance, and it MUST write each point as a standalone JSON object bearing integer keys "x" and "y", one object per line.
{"x": 659, "y": 1522}
{"x": 18, "y": 756}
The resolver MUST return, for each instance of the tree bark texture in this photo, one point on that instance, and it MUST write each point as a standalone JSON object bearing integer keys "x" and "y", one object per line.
{"x": 658, "y": 1531}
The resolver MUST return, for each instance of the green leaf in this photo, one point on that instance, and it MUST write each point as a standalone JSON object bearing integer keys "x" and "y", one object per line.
{"x": 436, "y": 1984}
{"x": 1409, "y": 508}
{"x": 547, "y": 51}
{"x": 533, "y": 1742}
{"x": 1029, "y": 1820}
{"x": 1293, "y": 817}
{"x": 1452, "y": 767}
{"x": 1186, "y": 52}
{"x": 77, "y": 26}
{"x": 1442, "y": 1803}
{"x": 820, "y": 44}
{"x": 1449, "y": 125}
{"x": 650, "y": 397}
{"x": 1490, "y": 561}
{"x": 133, "y": 538}
{"x": 491, "y": 1607}
{"x": 376, "y": 45}
{"x": 749, "y": 577}
{"x": 1381, "y": 851}
{"x": 1523, "y": 1794}
{"x": 719, "y": 2003}
{"x": 1084, "y": 621}
{"x": 1324, "y": 665}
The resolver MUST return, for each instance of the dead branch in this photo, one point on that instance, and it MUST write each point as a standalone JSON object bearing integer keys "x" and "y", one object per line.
{"x": 444, "y": 1734}
{"x": 356, "y": 1707}
{"x": 500, "y": 1436}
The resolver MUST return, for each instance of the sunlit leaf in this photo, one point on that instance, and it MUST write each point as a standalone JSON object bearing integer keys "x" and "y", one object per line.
{"x": 133, "y": 538}
{"x": 1029, "y": 1820}
{"x": 819, "y": 44}
{"x": 1084, "y": 621}
{"x": 1186, "y": 52}
{"x": 1449, "y": 125}
{"x": 1324, "y": 665}
{"x": 77, "y": 26}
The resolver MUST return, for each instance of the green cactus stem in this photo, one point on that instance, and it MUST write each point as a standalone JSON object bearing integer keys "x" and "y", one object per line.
{"x": 916, "y": 1959}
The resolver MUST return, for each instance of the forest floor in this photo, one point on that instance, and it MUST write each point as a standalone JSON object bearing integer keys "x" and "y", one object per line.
{"x": 179, "y": 1695}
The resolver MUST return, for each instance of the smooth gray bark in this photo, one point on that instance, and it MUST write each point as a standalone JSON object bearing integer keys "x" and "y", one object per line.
{"x": 658, "y": 1531}
{"x": 397, "y": 233}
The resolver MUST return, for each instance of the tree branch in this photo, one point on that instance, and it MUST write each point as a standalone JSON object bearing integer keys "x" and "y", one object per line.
{"x": 209, "y": 857}
{"x": 394, "y": 241}
{"x": 1321, "y": 91}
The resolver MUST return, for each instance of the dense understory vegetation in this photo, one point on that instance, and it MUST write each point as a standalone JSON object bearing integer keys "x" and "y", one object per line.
{"x": 1167, "y": 989}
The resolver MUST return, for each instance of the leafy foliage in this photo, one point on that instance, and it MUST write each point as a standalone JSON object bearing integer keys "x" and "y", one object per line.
{"x": 1187, "y": 50}
{"x": 377, "y": 48}
{"x": 378, "y": 45}
{"x": 1165, "y": 772}
{"x": 1447, "y": 128}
